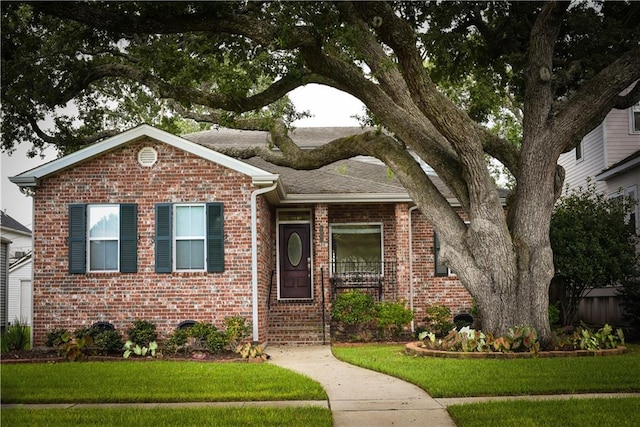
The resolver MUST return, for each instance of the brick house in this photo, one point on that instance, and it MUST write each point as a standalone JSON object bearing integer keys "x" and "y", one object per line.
{"x": 148, "y": 225}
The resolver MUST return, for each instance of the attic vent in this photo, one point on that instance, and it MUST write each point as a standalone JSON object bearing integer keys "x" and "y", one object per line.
{"x": 147, "y": 156}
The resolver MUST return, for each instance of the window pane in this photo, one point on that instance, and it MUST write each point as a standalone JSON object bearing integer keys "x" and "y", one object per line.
{"x": 357, "y": 248}
{"x": 190, "y": 255}
{"x": 189, "y": 221}
{"x": 104, "y": 221}
{"x": 197, "y": 221}
{"x": 183, "y": 221}
{"x": 103, "y": 255}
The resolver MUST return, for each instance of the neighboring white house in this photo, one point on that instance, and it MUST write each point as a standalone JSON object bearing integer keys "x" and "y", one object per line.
{"x": 609, "y": 156}
{"x": 16, "y": 290}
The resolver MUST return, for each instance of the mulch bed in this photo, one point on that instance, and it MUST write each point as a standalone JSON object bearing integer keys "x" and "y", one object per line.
{"x": 414, "y": 348}
{"x": 49, "y": 355}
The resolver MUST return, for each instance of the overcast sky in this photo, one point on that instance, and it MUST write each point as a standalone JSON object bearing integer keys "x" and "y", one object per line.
{"x": 329, "y": 107}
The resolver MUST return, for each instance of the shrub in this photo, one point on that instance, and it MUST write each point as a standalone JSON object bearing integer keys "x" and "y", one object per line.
{"x": 142, "y": 333}
{"x": 630, "y": 299}
{"x": 107, "y": 341}
{"x": 391, "y": 318}
{"x": 177, "y": 341}
{"x": 201, "y": 336}
{"x": 438, "y": 319}
{"x": 353, "y": 307}
{"x": 554, "y": 313}
{"x": 54, "y": 336}
{"x": 16, "y": 337}
{"x": 105, "y": 338}
{"x": 236, "y": 330}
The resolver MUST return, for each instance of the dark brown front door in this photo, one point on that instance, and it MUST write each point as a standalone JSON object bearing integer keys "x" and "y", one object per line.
{"x": 295, "y": 261}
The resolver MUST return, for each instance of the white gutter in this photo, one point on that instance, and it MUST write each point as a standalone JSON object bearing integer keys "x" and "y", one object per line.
{"x": 254, "y": 255}
{"x": 413, "y": 323}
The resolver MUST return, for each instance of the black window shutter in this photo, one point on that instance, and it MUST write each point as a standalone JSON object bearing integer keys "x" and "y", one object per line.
{"x": 215, "y": 238}
{"x": 441, "y": 269}
{"x": 128, "y": 238}
{"x": 77, "y": 239}
{"x": 164, "y": 258}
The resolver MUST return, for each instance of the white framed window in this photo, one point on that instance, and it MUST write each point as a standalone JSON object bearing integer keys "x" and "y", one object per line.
{"x": 579, "y": 152}
{"x": 189, "y": 237}
{"x": 357, "y": 248}
{"x": 103, "y": 243}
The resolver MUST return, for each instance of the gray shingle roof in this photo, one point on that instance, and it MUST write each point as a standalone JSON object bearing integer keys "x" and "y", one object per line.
{"x": 353, "y": 176}
{"x": 6, "y": 221}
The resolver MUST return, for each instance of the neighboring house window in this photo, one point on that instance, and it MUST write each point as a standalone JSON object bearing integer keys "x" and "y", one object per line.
{"x": 579, "y": 151}
{"x": 440, "y": 269}
{"x": 631, "y": 194}
{"x": 357, "y": 248}
{"x": 103, "y": 238}
{"x": 634, "y": 117}
{"x": 633, "y": 215}
{"x": 189, "y": 237}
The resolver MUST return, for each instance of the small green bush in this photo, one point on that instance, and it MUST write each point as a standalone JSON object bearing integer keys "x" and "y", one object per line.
{"x": 199, "y": 337}
{"x": 16, "y": 337}
{"x": 352, "y": 308}
{"x": 142, "y": 333}
{"x": 108, "y": 341}
{"x": 177, "y": 341}
{"x": 554, "y": 313}
{"x": 236, "y": 331}
{"x": 54, "y": 336}
{"x": 391, "y": 318}
{"x": 438, "y": 319}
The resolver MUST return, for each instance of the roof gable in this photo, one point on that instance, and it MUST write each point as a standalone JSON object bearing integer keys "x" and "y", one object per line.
{"x": 7, "y": 222}
{"x": 30, "y": 178}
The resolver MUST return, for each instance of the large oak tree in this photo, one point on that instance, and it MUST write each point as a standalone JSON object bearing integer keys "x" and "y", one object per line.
{"x": 433, "y": 75}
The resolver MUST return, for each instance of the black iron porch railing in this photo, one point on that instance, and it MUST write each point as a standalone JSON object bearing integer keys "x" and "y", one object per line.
{"x": 378, "y": 277}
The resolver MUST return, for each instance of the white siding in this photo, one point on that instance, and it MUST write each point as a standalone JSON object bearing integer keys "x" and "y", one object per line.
{"x": 4, "y": 273}
{"x": 20, "y": 304}
{"x": 620, "y": 142}
{"x": 20, "y": 242}
{"x": 591, "y": 163}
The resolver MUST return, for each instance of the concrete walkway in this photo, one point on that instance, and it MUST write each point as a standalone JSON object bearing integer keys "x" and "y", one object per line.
{"x": 360, "y": 397}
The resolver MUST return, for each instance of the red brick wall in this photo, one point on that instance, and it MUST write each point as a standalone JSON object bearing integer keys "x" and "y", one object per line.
{"x": 430, "y": 289}
{"x": 63, "y": 300}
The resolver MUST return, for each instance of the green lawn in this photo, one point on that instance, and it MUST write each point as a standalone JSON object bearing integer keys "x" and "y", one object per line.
{"x": 157, "y": 381}
{"x": 179, "y": 417}
{"x": 492, "y": 377}
{"x": 621, "y": 412}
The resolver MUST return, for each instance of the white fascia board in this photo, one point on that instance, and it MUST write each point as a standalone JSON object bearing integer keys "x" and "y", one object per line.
{"x": 603, "y": 176}
{"x": 30, "y": 178}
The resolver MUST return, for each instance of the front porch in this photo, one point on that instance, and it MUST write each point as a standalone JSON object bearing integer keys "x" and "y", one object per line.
{"x": 331, "y": 249}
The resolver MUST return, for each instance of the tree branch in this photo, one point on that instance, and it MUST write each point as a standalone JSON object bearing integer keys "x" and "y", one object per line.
{"x": 219, "y": 20}
{"x": 587, "y": 108}
{"x": 539, "y": 94}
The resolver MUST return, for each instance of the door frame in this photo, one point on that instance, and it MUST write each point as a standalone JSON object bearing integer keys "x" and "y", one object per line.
{"x": 305, "y": 218}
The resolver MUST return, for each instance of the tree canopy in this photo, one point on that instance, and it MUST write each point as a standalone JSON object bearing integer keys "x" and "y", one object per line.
{"x": 450, "y": 83}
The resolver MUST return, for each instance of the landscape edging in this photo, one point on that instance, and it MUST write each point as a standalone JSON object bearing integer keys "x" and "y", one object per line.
{"x": 415, "y": 349}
